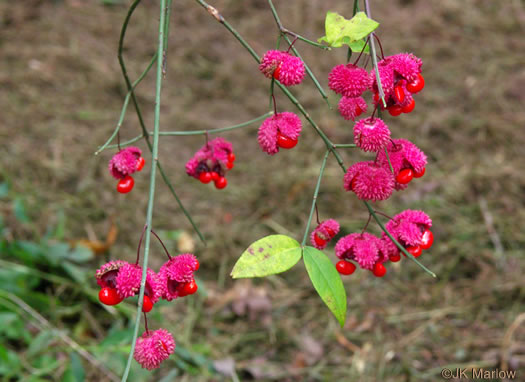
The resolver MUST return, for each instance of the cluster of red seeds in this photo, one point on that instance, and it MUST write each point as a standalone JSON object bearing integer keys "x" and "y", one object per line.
{"x": 206, "y": 175}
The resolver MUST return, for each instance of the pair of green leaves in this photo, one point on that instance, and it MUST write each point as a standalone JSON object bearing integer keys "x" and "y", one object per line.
{"x": 277, "y": 253}
{"x": 340, "y": 31}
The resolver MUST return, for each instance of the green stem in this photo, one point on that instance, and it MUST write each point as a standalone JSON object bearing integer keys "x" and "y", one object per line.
{"x": 356, "y": 8}
{"x": 388, "y": 159}
{"x": 145, "y": 133}
{"x": 306, "y": 67}
{"x": 304, "y": 39}
{"x": 151, "y": 197}
{"x": 125, "y": 105}
{"x": 409, "y": 255}
{"x": 345, "y": 146}
{"x": 197, "y": 132}
{"x": 329, "y": 145}
{"x": 314, "y": 200}
{"x": 374, "y": 57}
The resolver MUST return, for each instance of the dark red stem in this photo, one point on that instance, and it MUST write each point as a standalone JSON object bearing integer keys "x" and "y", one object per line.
{"x": 161, "y": 243}
{"x": 140, "y": 243}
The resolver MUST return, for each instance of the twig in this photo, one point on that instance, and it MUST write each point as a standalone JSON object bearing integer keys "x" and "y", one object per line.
{"x": 314, "y": 200}
{"x": 151, "y": 197}
{"x": 329, "y": 145}
{"x": 306, "y": 67}
{"x": 374, "y": 57}
{"x": 145, "y": 133}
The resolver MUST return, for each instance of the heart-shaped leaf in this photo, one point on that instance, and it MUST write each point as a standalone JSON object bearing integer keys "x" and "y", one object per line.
{"x": 327, "y": 281}
{"x": 268, "y": 256}
{"x": 341, "y": 31}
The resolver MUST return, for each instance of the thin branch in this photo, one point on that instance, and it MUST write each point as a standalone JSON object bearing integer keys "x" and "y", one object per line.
{"x": 198, "y": 132}
{"x": 151, "y": 197}
{"x": 306, "y": 67}
{"x": 125, "y": 106}
{"x": 145, "y": 133}
{"x": 329, "y": 145}
{"x": 314, "y": 200}
{"x": 374, "y": 58}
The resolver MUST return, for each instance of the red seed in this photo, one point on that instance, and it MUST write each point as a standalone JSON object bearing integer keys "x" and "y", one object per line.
{"x": 147, "y": 305}
{"x": 229, "y": 165}
{"x": 231, "y": 157}
{"x": 408, "y": 108}
{"x": 419, "y": 174}
{"x": 140, "y": 163}
{"x": 379, "y": 270}
{"x": 320, "y": 242}
{"x": 427, "y": 239}
{"x": 399, "y": 94}
{"x": 205, "y": 177}
{"x": 414, "y": 250}
{"x": 395, "y": 110}
{"x": 276, "y": 72}
{"x": 345, "y": 267}
{"x": 285, "y": 142}
{"x": 417, "y": 85}
{"x": 109, "y": 296}
{"x": 395, "y": 258}
{"x": 197, "y": 265}
{"x": 330, "y": 232}
{"x": 358, "y": 111}
{"x": 405, "y": 176}
{"x": 190, "y": 288}
{"x": 214, "y": 175}
{"x": 221, "y": 183}
{"x": 125, "y": 185}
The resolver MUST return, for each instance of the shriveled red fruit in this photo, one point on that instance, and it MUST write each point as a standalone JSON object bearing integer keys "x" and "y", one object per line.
{"x": 285, "y": 142}
{"x": 414, "y": 250}
{"x": 125, "y": 185}
{"x": 214, "y": 175}
{"x": 358, "y": 111}
{"x": 345, "y": 267}
{"x": 395, "y": 110}
{"x": 399, "y": 94}
{"x": 221, "y": 183}
{"x": 405, "y": 176}
{"x": 190, "y": 288}
{"x": 395, "y": 258}
{"x": 229, "y": 165}
{"x": 379, "y": 270}
{"x": 419, "y": 174}
{"x": 109, "y": 296}
{"x": 147, "y": 305}
{"x": 320, "y": 242}
{"x": 140, "y": 163}
{"x": 427, "y": 239}
{"x": 417, "y": 85}
{"x": 276, "y": 72}
{"x": 231, "y": 157}
{"x": 408, "y": 108}
{"x": 205, "y": 177}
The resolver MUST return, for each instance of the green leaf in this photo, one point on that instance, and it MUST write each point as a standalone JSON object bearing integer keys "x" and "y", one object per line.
{"x": 327, "y": 281}
{"x": 357, "y": 47}
{"x": 341, "y": 31}
{"x": 268, "y": 256}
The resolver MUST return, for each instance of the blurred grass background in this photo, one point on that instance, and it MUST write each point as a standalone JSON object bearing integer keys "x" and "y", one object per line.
{"x": 61, "y": 93}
